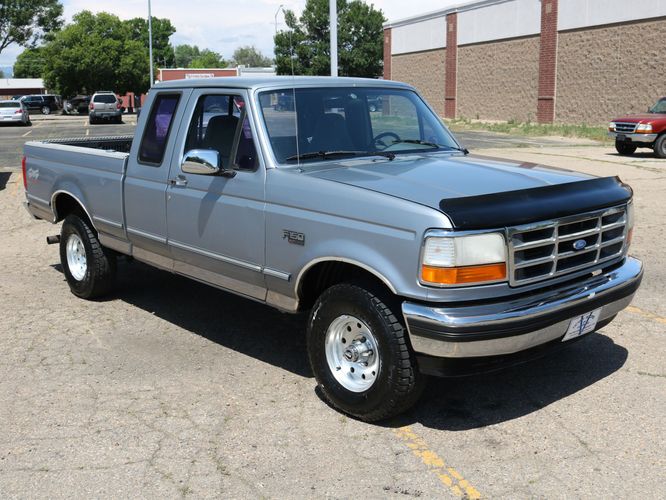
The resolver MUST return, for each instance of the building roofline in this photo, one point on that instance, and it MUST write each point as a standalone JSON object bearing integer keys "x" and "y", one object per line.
{"x": 461, "y": 7}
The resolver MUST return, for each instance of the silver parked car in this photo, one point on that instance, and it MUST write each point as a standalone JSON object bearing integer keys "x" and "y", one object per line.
{"x": 14, "y": 112}
{"x": 105, "y": 105}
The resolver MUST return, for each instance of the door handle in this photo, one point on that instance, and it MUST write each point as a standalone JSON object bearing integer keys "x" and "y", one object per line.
{"x": 180, "y": 180}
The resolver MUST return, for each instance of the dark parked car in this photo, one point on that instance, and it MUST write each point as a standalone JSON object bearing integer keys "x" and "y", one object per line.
{"x": 44, "y": 103}
{"x": 77, "y": 105}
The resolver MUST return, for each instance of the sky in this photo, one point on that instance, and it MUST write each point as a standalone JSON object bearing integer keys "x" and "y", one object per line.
{"x": 224, "y": 25}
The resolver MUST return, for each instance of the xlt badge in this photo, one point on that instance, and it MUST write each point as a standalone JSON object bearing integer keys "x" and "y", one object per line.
{"x": 293, "y": 237}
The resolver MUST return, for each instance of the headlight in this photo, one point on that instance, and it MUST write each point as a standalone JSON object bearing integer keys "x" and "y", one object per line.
{"x": 644, "y": 128}
{"x": 455, "y": 260}
{"x": 611, "y": 127}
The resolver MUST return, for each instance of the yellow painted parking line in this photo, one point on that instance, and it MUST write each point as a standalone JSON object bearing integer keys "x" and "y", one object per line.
{"x": 647, "y": 314}
{"x": 448, "y": 476}
{"x": 27, "y": 133}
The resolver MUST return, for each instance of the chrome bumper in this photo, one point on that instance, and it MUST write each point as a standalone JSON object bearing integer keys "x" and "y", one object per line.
{"x": 642, "y": 138}
{"x": 493, "y": 329}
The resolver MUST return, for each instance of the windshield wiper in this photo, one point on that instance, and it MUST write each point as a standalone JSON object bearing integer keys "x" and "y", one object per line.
{"x": 417, "y": 141}
{"x": 328, "y": 154}
{"x": 431, "y": 144}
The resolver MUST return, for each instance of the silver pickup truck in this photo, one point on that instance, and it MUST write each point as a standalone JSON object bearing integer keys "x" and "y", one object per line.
{"x": 347, "y": 199}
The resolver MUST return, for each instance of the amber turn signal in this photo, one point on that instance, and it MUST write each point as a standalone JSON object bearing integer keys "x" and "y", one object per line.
{"x": 462, "y": 275}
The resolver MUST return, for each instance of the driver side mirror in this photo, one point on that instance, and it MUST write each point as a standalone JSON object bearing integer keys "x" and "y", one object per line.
{"x": 204, "y": 162}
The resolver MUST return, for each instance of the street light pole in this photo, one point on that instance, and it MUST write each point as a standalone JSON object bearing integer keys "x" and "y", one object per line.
{"x": 333, "y": 13}
{"x": 150, "y": 43}
{"x": 276, "y": 14}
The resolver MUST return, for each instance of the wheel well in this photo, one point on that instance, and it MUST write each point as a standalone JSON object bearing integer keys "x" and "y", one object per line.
{"x": 326, "y": 274}
{"x": 65, "y": 204}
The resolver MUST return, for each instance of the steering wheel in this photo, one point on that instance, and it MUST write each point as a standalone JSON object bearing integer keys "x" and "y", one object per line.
{"x": 377, "y": 140}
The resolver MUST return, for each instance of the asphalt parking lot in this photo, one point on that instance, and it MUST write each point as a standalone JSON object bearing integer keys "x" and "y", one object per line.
{"x": 169, "y": 388}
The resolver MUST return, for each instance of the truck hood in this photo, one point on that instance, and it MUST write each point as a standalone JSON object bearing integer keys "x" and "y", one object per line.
{"x": 641, "y": 117}
{"x": 451, "y": 183}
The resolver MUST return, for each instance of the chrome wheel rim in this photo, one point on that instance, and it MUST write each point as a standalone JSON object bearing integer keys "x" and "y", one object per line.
{"x": 352, "y": 353}
{"x": 76, "y": 257}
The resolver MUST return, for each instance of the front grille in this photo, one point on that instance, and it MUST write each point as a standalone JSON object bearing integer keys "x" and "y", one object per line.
{"x": 625, "y": 128}
{"x": 547, "y": 249}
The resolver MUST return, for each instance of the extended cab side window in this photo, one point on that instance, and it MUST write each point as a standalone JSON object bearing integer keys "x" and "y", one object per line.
{"x": 157, "y": 129}
{"x": 219, "y": 123}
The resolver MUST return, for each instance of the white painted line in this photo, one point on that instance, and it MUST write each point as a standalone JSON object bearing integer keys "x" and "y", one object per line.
{"x": 87, "y": 131}
{"x": 27, "y": 133}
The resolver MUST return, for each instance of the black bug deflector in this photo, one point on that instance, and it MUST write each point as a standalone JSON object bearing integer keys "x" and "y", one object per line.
{"x": 513, "y": 208}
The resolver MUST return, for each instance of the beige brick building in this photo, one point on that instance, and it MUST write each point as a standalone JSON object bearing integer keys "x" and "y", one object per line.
{"x": 566, "y": 61}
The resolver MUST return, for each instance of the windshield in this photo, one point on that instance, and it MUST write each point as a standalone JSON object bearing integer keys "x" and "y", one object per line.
{"x": 660, "y": 107}
{"x": 350, "y": 121}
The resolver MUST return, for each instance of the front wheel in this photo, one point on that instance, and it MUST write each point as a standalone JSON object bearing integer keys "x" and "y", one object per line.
{"x": 660, "y": 146}
{"x": 625, "y": 149}
{"x": 360, "y": 355}
{"x": 89, "y": 267}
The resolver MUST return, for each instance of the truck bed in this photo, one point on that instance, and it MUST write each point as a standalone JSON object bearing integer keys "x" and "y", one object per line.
{"x": 90, "y": 169}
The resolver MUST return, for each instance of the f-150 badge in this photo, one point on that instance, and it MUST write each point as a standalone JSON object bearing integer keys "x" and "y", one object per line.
{"x": 293, "y": 237}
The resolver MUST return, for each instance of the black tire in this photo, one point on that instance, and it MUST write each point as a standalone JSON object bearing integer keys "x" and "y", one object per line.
{"x": 660, "y": 146}
{"x": 625, "y": 149}
{"x": 46, "y": 110}
{"x": 91, "y": 120}
{"x": 398, "y": 383}
{"x": 100, "y": 262}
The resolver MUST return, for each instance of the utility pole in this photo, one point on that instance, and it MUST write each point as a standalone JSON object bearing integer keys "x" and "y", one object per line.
{"x": 333, "y": 12}
{"x": 150, "y": 44}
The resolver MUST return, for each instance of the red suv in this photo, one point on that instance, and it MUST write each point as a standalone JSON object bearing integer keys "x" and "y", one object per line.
{"x": 641, "y": 131}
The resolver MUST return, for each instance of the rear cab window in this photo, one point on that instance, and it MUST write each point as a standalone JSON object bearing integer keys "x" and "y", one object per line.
{"x": 158, "y": 126}
{"x": 12, "y": 104}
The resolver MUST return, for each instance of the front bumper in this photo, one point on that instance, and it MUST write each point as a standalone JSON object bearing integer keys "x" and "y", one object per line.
{"x": 505, "y": 327}
{"x": 640, "y": 138}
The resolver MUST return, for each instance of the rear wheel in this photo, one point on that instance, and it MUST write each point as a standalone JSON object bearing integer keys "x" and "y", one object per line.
{"x": 46, "y": 110}
{"x": 660, "y": 146}
{"x": 624, "y": 149}
{"x": 360, "y": 355}
{"x": 89, "y": 267}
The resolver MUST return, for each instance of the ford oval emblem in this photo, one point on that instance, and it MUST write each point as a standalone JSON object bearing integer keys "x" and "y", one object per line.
{"x": 579, "y": 244}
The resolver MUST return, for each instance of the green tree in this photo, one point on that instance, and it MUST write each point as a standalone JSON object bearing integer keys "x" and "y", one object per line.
{"x": 94, "y": 52}
{"x": 27, "y": 22}
{"x": 185, "y": 54}
{"x": 162, "y": 30}
{"x": 30, "y": 64}
{"x": 249, "y": 56}
{"x": 306, "y": 43}
{"x": 208, "y": 59}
